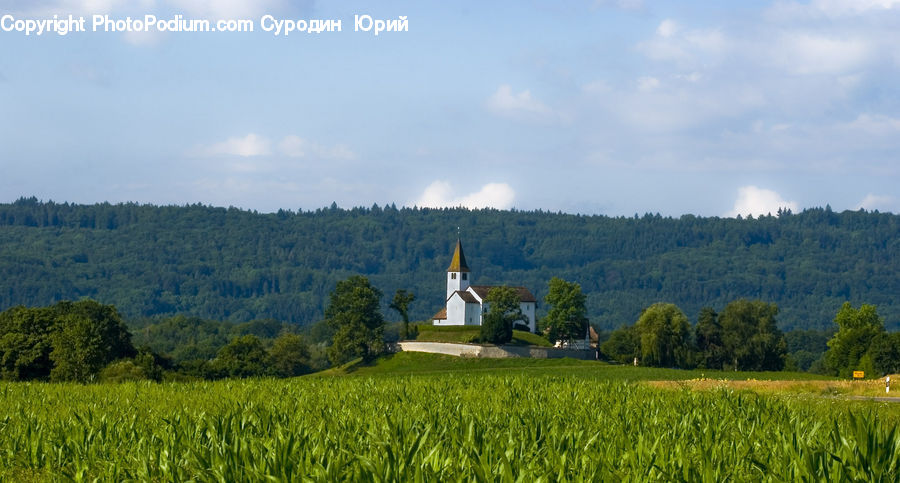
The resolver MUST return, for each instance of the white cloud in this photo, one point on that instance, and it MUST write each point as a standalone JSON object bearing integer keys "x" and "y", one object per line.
{"x": 759, "y": 201}
{"x": 504, "y": 102}
{"x": 297, "y": 147}
{"x": 875, "y": 124}
{"x": 492, "y": 195}
{"x": 647, "y": 83}
{"x": 247, "y": 146}
{"x": 807, "y": 53}
{"x": 673, "y": 43}
{"x": 832, "y": 8}
{"x": 692, "y": 77}
{"x": 667, "y": 28}
{"x": 877, "y": 202}
{"x": 254, "y": 145}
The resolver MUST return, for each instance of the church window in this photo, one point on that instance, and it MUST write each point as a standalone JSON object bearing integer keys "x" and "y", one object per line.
{"x": 465, "y": 276}
{"x": 453, "y": 276}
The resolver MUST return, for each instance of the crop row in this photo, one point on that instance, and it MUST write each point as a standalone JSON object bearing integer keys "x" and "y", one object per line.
{"x": 436, "y": 428}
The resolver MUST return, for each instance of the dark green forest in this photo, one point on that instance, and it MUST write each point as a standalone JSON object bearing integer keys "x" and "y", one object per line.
{"x": 237, "y": 265}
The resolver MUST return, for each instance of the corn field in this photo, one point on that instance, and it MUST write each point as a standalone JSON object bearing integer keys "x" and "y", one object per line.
{"x": 450, "y": 427}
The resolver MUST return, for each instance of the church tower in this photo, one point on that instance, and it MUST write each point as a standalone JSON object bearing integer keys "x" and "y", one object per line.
{"x": 457, "y": 272}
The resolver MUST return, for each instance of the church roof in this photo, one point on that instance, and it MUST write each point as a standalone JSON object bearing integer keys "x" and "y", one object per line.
{"x": 441, "y": 315}
{"x": 466, "y": 296}
{"x": 525, "y": 295}
{"x": 458, "y": 262}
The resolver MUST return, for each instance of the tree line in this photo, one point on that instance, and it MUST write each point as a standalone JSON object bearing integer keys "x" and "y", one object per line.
{"x": 157, "y": 262}
{"x": 87, "y": 341}
{"x": 745, "y": 336}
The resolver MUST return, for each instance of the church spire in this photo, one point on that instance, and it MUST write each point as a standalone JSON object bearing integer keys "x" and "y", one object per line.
{"x": 458, "y": 262}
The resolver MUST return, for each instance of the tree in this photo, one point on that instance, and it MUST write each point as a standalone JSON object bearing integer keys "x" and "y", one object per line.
{"x": 567, "y": 317}
{"x": 244, "y": 356}
{"x": 353, "y": 313}
{"x": 664, "y": 334}
{"x": 504, "y": 310}
{"x": 289, "y": 356}
{"x": 88, "y": 336}
{"x": 857, "y": 328}
{"x": 750, "y": 336}
{"x": 121, "y": 371}
{"x": 153, "y": 364}
{"x": 401, "y": 302}
{"x": 885, "y": 353}
{"x": 708, "y": 336}
{"x": 25, "y": 343}
{"x": 623, "y": 345}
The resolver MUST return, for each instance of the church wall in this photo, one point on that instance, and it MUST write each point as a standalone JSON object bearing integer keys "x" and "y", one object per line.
{"x": 529, "y": 308}
{"x": 473, "y": 314}
{"x": 456, "y": 311}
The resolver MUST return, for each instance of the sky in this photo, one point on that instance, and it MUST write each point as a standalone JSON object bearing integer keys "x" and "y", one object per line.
{"x": 615, "y": 107}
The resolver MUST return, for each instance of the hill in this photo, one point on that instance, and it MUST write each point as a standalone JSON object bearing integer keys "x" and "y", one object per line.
{"x": 410, "y": 363}
{"x": 232, "y": 264}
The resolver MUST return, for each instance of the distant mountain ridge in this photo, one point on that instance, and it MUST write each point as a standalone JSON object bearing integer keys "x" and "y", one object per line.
{"x": 232, "y": 264}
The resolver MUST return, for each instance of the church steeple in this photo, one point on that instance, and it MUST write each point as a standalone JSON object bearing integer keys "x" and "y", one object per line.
{"x": 458, "y": 262}
{"x": 458, "y": 271}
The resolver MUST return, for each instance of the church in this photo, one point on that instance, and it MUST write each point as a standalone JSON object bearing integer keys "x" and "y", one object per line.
{"x": 465, "y": 303}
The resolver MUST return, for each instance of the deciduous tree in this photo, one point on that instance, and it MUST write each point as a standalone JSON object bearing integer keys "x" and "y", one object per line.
{"x": 567, "y": 317}
{"x": 623, "y": 345}
{"x": 857, "y": 328}
{"x": 751, "y": 337}
{"x": 664, "y": 334}
{"x": 289, "y": 356}
{"x": 244, "y": 356}
{"x": 401, "y": 302}
{"x": 503, "y": 311}
{"x": 353, "y": 313}
{"x": 88, "y": 336}
{"x": 708, "y": 336}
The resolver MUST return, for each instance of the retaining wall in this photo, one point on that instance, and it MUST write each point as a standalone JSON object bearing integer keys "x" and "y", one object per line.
{"x": 495, "y": 352}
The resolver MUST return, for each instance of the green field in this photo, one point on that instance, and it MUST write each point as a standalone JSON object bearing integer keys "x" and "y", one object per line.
{"x": 403, "y": 363}
{"x": 430, "y": 418}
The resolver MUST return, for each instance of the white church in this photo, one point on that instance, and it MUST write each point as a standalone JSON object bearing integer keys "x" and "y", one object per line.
{"x": 465, "y": 303}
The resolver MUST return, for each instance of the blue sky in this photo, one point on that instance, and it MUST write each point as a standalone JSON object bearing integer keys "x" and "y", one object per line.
{"x": 614, "y": 107}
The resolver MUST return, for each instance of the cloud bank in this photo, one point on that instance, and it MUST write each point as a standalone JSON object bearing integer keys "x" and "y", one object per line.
{"x": 440, "y": 194}
{"x": 756, "y": 201}
{"x": 877, "y": 202}
{"x": 291, "y": 146}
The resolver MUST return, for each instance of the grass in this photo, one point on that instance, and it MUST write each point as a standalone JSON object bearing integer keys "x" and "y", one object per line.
{"x": 467, "y": 334}
{"x": 408, "y": 363}
{"x": 864, "y": 388}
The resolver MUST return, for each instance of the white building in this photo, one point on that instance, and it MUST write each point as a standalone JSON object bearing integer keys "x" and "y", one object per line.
{"x": 465, "y": 303}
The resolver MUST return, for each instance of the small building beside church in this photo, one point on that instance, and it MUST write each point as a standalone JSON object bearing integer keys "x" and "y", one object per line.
{"x": 465, "y": 303}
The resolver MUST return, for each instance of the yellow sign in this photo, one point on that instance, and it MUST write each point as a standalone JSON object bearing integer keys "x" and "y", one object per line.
{"x": 858, "y": 374}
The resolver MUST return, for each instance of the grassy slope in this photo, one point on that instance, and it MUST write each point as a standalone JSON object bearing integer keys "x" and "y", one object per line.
{"x": 468, "y": 334}
{"x": 408, "y": 363}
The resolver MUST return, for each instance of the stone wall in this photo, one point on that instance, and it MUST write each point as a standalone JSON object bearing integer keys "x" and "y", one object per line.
{"x": 494, "y": 352}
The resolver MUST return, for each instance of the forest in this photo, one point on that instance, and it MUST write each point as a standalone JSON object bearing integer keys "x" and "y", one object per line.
{"x": 227, "y": 264}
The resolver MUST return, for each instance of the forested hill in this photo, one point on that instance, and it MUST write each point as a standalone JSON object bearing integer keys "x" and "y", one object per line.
{"x": 239, "y": 265}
